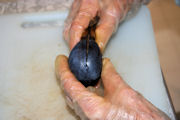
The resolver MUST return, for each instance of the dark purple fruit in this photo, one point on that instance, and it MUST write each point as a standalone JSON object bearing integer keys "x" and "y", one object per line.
{"x": 85, "y": 62}
{"x": 85, "y": 59}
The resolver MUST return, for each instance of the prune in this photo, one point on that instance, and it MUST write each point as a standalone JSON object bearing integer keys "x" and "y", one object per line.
{"x": 85, "y": 59}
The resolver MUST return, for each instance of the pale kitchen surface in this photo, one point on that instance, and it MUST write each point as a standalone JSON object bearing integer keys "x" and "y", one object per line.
{"x": 165, "y": 17}
{"x": 28, "y": 49}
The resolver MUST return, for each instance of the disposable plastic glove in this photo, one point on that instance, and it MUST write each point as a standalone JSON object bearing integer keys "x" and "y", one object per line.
{"x": 111, "y": 12}
{"x": 120, "y": 101}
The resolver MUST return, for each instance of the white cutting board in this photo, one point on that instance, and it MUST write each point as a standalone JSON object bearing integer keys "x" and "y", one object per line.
{"x": 28, "y": 88}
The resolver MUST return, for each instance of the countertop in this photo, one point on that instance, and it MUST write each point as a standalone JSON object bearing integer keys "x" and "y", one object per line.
{"x": 26, "y": 6}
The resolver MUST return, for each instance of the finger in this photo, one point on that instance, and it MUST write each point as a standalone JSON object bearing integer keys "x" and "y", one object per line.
{"x": 92, "y": 105}
{"x": 88, "y": 10}
{"x": 111, "y": 79}
{"x": 67, "y": 80}
{"x": 67, "y": 24}
{"x": 109, "y": 20}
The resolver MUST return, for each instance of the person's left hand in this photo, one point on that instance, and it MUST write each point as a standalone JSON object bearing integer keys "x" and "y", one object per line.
{"x": 111, "y": 12}
{"x": 120, "y": 101}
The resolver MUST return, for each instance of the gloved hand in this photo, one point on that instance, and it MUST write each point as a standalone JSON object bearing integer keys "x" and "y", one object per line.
{"x": 120, "y": 101}
{"x": 111, "y": 12}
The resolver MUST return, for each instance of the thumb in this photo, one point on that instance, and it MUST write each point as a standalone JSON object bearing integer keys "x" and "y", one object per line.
{"x": 93, "y": 106}
{"x": 104, "y": 31}
{"x": 109, "y": 19}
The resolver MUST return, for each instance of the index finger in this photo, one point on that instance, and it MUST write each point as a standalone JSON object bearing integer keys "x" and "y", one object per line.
{"x": 87, "y": 11}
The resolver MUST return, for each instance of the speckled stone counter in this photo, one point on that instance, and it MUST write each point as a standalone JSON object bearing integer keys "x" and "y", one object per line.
{"x": 24, "y": 6}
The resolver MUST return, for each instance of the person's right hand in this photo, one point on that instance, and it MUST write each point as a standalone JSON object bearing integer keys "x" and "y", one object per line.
{"x": 120, "y": 101}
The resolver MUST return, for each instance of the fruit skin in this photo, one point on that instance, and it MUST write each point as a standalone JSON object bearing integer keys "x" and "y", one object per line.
{"x": 85, "y": 62}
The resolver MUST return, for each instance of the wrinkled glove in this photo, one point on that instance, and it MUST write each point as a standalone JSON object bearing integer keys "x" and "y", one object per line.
{"x": 120, "y": 101}
{"x": 111, "y": 12}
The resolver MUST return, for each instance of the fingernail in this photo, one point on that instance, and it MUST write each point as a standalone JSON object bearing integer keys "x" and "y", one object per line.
{"x": 101, "y": 46}
{"x": 105, "y": 61}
